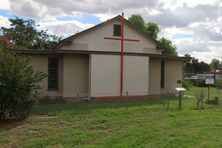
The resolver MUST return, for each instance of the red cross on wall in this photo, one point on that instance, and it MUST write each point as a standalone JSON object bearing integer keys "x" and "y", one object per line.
{"x": 122, "y": 39}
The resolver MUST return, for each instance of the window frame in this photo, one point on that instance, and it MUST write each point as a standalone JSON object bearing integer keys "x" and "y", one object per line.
{"x": 162, "y": 75}
{"x": 114, "y": 30}
{"x": 56, "y": 88}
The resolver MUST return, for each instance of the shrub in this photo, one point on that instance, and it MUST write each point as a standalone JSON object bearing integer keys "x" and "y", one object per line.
{"x": 198, "y": 82}
{"x": 218, "y": 84}
{"x": 18, "y": 85}
{"x": 186, "y": 84}
{"x": 200, "y": 99}
{"x": 214, "y": 101}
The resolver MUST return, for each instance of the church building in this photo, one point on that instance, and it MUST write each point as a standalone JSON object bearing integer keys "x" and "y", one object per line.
{"x": 110, "y": 60}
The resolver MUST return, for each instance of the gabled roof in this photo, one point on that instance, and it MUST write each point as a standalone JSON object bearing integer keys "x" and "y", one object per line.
{"x": 69, "y": 40}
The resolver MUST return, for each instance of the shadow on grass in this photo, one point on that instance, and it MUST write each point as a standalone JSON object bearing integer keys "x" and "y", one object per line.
{"x": 10, "y": 123}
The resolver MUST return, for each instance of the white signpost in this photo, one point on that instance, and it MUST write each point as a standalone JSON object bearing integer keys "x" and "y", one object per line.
{"x": 181, "y": 90}
{"x": 209, "y": 80}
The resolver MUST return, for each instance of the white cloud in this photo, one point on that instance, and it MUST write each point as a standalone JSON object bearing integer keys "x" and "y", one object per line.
{"x": 170, "y": 32}
{"x": 63, "y": 28}
{"x": 4, "y": 22}
{"x": 4, "y": 4}
{"x": 173, "y": 4}
{"x": 207, "y": 56}
{"x": 33, "y": 9}
{"x": 53, "y": 8}
{"x": 204, "y": 51}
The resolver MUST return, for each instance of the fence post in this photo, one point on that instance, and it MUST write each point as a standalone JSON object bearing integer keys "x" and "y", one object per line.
{"x": 202, "y": 99}
{"x": 127, "y": 100}
{"x": 77, "y": 103}
{"x": 168, "y": 99}
{"x": 180, "y": 100}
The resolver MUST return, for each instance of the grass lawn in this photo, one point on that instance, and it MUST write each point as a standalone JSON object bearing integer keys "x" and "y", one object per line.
{"x": 110, "y": 124}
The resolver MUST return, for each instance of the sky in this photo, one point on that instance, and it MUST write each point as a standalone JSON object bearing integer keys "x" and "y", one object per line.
{"x": 194, "y": 26}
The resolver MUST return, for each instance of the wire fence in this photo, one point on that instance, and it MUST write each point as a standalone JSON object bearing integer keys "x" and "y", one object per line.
{"x": 117, "y": 94}
{"x": 130, "y": 99}
{"x": 169, "y": 99}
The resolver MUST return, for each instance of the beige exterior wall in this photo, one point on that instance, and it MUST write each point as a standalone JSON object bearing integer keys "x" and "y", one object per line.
{"x": 173, "y": 73}
{"x": 75, "y": 75}
{"x": 136, "y": 76}
{"x": 154, "y": 76}
{"x": 99, "y": 75}
{"x": 105, "y": 75}
{"x": 94, "y": 40}
{"x": 40, "y": 63}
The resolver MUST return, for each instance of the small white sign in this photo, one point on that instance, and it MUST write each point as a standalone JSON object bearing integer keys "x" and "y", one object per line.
{"x": 209, "y": 79}
{"x": 180, "y": 89}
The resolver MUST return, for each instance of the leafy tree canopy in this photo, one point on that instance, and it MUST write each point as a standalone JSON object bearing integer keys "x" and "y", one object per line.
{"x": 25, "y": 35}
{"x": 169, "y": 47}
{"x": 153, "y": 29}
{"x": 215, "y": 64}
{"x": 194, "y": 66}
{"x": 137, "y": 20}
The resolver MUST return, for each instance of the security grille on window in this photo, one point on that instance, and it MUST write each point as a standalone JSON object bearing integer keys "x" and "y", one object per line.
{"x": 116, "y": 30}
{"x": 53, "y": 73}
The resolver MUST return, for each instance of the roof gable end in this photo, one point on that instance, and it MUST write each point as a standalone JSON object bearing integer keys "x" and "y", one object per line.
{"x": 70, "y": 39}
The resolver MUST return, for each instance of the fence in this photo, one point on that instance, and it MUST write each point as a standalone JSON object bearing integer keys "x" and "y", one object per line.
{"x": 126, "y": 101}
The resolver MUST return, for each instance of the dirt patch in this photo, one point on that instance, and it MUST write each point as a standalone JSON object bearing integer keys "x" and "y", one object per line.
{"x": 10, "y": 123}
{"x": 37, "y": 117}
{"x": 103, "y": 130}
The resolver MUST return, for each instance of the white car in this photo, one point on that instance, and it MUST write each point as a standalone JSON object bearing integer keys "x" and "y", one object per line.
{"x": 193, "y": 77}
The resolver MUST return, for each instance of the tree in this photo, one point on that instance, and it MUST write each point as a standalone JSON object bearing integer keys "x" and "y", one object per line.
{"x": 215, "y": 65}
{"x": 25, "y": 35}
{"x": 152, "y": 29}
{"x": 18, "y": 85}
{"x": 137, "y": 20}
{"x": 5, "y": 42}
{"x": 170, "y": 49}
{"x": 203, "y": 67}
{"x": 194, "y": 66}
{"x": 188, "y": 67}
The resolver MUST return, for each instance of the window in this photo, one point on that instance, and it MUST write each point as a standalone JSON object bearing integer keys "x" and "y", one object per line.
{"x": 116, "y": 30}
{"x": 162, "y": 80}
{"x": 53, "y": 73}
